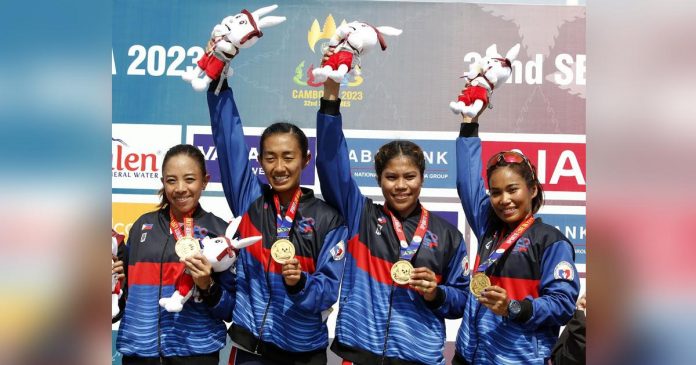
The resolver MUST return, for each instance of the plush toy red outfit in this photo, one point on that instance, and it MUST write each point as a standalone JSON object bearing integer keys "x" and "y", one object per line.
{"x": 472, "y": 93}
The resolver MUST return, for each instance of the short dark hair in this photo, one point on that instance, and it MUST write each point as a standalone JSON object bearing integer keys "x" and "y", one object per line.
{"x": 399, "y": 148}
{"x": 285, "y": 127}
{"x": 181, "y": 149}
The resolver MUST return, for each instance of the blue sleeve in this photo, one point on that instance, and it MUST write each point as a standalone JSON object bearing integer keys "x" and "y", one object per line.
{"x": 320, "y": 289}
{"x": 455, "y": 286}
{"x": 227, "y": 283}
{"x": 559, "y": 288}
{"x": 333, "y": 166}
{"x": 240, "y": 184}
{"x": 472, "y": 193}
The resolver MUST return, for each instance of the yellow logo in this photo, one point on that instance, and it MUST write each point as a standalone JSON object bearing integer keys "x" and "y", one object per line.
{"x": 303, "y": 75}
{"x": 123, "y": 215}
{"x": 315, "y": 34}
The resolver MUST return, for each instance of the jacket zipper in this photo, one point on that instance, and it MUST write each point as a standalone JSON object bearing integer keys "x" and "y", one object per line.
{"x": 386, "y": 335}
{"x": 159, "y": 310}
{"x": 268, "y": 306}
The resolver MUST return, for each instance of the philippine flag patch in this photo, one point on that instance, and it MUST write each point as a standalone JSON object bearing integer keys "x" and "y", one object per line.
{"x": 564, "y": 271}
{"x": 338, "y": 251}
{"x": 146, "y": 227}
{"x": 465, "y": 266}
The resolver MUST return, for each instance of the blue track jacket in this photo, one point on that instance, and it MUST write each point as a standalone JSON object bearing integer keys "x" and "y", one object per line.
{"x": 380, "y": 321}
{"x": 539, "y": 269}
{"x": 284, "y": 324}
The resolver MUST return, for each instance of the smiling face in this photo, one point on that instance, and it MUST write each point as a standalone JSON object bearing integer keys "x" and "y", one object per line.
{"x": 282, "y": 161}
{"x": 183, "y": 182}
{"x": 511, "y": 197}
{"x": 401, "y": 182}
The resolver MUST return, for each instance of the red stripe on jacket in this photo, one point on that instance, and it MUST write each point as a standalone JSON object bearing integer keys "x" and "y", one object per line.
{"x": 379, "y": 269}
{"x": 148, "y": 273}
{"x": 517, "y": 289}
{"x": 261, "y": 254}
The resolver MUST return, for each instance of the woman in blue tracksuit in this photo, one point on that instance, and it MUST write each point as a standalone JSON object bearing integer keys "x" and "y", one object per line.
{"x": 149, "y": 334}
{"x": 532, "y": 286}
{"x": 280, "y": 309}
{"x": 384, "y": 318}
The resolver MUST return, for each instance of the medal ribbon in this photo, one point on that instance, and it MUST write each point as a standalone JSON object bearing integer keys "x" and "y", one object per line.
{"x": 283, "y": 226}
{"x": 176, "y": 227}
{"x": 495, "y": 255}
{"x": 408, "y": 250}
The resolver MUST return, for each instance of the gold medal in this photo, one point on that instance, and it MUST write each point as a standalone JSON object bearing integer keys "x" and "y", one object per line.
{"x": 187, "y": 247}
{"x": 401, "y": 272}
{"x": 282, "y": 250}
{"x": 479, "y": 282}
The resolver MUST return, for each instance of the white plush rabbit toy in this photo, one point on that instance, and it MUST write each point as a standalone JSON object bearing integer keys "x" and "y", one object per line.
{"x": 221, "y": 252}
{"x": 116, "y": 291}
{"x": 483, "y": 77}
{"x": 351, "y": 41}
{"x": 242, "y": 30}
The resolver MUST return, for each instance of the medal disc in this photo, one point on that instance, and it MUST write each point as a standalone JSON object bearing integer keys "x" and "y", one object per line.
{"x": 187, "y": 247}
{"x": 479, "y": 282}
{"x": 282, "y": 250}
{"x": 401, "y": 272}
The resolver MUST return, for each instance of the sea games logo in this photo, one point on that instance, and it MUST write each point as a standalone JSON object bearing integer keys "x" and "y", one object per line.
{"x": 310, "y": 91}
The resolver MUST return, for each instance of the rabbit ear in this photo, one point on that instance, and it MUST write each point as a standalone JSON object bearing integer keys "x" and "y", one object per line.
{"x": 512, "y": 53}
{"x": 389, "y": 30}
{"x": 244, "y": 242}
{"x": 270, "y": 21}
{"x": 492, "y": 51}
{"x": 258, "y": 13}
{"x": 232, "y": 228}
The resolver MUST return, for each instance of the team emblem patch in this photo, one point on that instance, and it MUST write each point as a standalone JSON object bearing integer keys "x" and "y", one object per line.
{"x": 143, "y": 237}
{"x": 564, "y": 271}
{"x": 465, "y": 266}
{"x": 338, "y": 251}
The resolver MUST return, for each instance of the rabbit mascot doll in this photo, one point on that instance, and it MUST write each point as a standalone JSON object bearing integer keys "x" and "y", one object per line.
{"x": 116, "y": 291}
{"x": 483, "y": 77}
{"x": 242, "y": 30}
{"x": 351, "y": 41}
{"x": 221, "y": 252}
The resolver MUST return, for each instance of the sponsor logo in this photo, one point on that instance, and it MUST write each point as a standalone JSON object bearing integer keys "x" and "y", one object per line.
{"x": 564, "y": 271}
{"x": 465, "y": 266}
{"x": 127, "y": 163}
{"x": 560, "y": 166}
{"x": 136, "y": 157}
{"x": 204, "y": 142}
{"x": 439, "y": 173}
{"x": 143, "y": 237}
{"x": 338, "y": 251}
{"x": 574, "y": 227}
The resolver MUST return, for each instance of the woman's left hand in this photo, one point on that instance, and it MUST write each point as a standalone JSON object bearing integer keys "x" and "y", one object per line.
{"x": 496, "y": 299}
{"x": 424, "y": 281}
{"x": 200, "y": 270}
